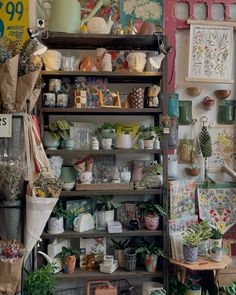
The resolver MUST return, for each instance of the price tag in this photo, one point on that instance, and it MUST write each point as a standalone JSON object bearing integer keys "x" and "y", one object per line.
{"x": 5, "y": 125}
{"x": 14, "y": 20}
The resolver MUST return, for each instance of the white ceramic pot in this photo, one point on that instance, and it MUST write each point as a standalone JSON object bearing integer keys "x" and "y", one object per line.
{"x": 215, "y": 243}
{"x": 125, "y": 176}
{"x": 217, "y": 255}
{"x": 148, "y": 144}
{"x": 123, "y": 141}
{"x": 106, "y": 143}
{"x": 86, "y": 177}
{"x": 55, "y": 225}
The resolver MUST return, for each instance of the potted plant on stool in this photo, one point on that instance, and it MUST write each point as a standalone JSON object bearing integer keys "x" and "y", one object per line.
{"x": 151, "y": 253}
{"x": 68, "y": 257}
{"x": 152, "y": 212}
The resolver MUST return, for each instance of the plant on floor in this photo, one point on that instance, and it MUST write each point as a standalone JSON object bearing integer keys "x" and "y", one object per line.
{"x": 177, "y": 287}
{"x": 231, "y": 290}
{"x": 41, "y": 281}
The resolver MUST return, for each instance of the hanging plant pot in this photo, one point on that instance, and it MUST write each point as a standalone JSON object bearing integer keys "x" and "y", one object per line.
{"x": 69, "y": 264}
{"x": 194, "y": 171}
{"x": 190, "y": 254}
{"x": 151, "y": 221}
{"x": 151, "y": 262}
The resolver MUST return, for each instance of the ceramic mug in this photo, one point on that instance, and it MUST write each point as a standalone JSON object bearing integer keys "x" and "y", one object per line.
{"x": 62, "y": 100}
{"x": 49, "y": 99}
{"x": 86, "y": 177}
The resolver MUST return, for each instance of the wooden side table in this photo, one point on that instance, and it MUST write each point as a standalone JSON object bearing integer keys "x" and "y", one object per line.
{"x": 204, "y": 263}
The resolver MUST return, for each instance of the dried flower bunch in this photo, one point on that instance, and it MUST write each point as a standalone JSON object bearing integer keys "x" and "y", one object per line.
{"x": 10, "y": 251}
{"x": 11, "y": 179}
{"x": 46, "y": 186}
{"x": 7, "y": 50}
{"x": 29, "y": 62}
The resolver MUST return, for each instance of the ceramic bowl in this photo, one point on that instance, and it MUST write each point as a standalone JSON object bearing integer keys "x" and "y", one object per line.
{"x": 222, "y": 93}
{"x": 68, "y": 186}
{"x": 193, "y": 91}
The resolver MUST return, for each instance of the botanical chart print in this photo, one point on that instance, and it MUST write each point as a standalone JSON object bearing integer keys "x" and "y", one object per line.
{"x": 182, "y": 198}
{"x": 224, "y": 147}
{"x": 210, "y": 52}
{"x": 139, "y": 11}
{"x": 217, "y": 205}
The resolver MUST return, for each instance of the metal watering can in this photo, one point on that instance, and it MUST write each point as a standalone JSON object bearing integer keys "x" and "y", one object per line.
{"x": 66, "y": 15}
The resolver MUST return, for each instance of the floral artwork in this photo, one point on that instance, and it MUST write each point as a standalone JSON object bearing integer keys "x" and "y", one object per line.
{"x": 217, "y": 205}
{"x": 139, "y": 11}
{"x": 182, "y": 198}
{"x": 210, "y": 52}
{"x": 224, "y": 147}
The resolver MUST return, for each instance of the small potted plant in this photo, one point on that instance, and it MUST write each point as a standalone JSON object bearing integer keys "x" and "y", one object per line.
{"x": 152, "y": 212}
{"x": 148, "y": 141}
{"x": 151, "y": 253}
{"x": 152, "y": 176}
{"x": 41, "y": 281}
{"x": 58, "y": 133}
{"x": 104, "y": 212}
{"x": 215, "y": 239}
{"x": 106, "y": 135}
{"x": 55, "y": 222}
{"x": 119, "y": 247}
{"x": 206, "y": 230}
{"x": 68, "y": 258}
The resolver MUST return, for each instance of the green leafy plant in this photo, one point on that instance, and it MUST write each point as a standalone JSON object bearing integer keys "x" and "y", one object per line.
{"x": 150, "y": 207}
{"x": 203, "y": 227}
{"x": 119, "y": 245}
{"x": 148, "y": 248}
{"x": 41, "y": 281}
{"x": 58, "y": 211}
{"x": 231, "y": 290}
{"x": 193, "y": 237}
{"x": 106, "y": 126}
{"x": 60, "y": 129}
{"x": 68, "y": 252}
{"x": 177, "y": 287}
{"x": 216, "y": 234}
{"x": 105, "y": 203}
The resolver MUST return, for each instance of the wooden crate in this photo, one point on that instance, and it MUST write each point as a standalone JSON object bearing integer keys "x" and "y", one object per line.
{"x": 104, "y": 186}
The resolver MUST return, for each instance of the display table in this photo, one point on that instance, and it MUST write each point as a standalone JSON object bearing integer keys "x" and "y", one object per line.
{"x": 203, "y": 263}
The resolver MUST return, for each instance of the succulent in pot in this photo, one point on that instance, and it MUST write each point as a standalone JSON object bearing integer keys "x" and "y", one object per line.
{"x": 55, "y": 222}
{"x": 68, "y": 257}
{"x": 119, "y": 247}
{"x": 151, "y": 253}
{"x": 152, "y": 212}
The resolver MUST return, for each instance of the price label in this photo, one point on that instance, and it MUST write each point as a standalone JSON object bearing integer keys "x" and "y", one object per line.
{"x": 5, "y": 125}
{"x": 14, "y": 20}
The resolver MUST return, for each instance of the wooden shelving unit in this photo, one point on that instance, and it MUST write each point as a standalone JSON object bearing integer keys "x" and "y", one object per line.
{"x": 114, "y": 42}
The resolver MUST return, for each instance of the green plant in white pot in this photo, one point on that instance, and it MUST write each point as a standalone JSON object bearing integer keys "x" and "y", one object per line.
{"x": 123, "y": 139}
{"x": 106, "y": 135}
{"x": 56, "y": 221}
{"x": 215, "y": 238}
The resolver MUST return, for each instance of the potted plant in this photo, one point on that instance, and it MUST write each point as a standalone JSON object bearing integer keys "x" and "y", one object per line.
{"x": 148, "y": 141}
{"x": 151, "y": 253}
{"x": 152, "y": 176}
{"x": 215, "y": 239}
{"x": 206, "y": 230}
{"x": 106, "y": 135}
{"x": 119, "y": 247}
{"x": 68, "y": 258}
{"x": 152, "y": 212}
{"x": 216, "y": 254}
{"x": 58, "y": 133}
{"x": 41, "y": 281}
{"x": 104, "y": 212}
{"x": 55, "y": 222}
{"x": 123, "y": 139}
{"x": 229, "y": 290}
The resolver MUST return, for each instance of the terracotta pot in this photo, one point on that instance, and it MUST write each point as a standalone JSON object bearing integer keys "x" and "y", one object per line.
{"x": 151, "y": 221}
{"x": 147, "y": 29}
{"x": 69, "y": 264}
{"x": 192, "y": 171}
{"x": 151, "y": 263}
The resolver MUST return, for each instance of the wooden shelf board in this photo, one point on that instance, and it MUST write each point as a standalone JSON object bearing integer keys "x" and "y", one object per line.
{"x": 75, "y": 153}
{"x": 71, "y": 194}
{"x": 93, "y": 41}
{"x": 93, "y": 234}
{"x": 100, "y": 111}
{"x": 118, "y": 274}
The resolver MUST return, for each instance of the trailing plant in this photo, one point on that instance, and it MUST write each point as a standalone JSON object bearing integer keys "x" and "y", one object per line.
{"x": 41, "y": 281}
{"x": 68, "y": 252}
{"x": 216, "y": 234}
{"x": 148, "y": 248}
{"x": 60, "y": 129}
{"x": 153, "y": 208}
{"x": 119, "y": 245}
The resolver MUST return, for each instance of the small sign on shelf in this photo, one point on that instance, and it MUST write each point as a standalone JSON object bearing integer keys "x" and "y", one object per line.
{"x": 5, "y": 125}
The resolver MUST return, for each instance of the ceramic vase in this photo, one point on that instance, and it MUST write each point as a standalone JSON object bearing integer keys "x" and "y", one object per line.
{"x": 86, "y": 177}
{"x": 151, "y": 221}
{"x": 190, "y": 254}
{"x": 106, "y": 143}
{"x": 49, "y": 141}
{"x": 55, "y": 225}
{"x": 69, "y": 264}
{"x": 215, "y": 243}
{"x": 137, "y": 98}
{"x": 151, "y": 262}
{"x": 123, "y": 141}
{"x": 217, "y": 255}
{"x": 67, "y": 174}
{"x": 148, "y": 144}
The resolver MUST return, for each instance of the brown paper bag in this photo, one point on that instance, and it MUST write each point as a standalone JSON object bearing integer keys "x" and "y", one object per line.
{"x": 33, "y": 99}
{"x": 25, "y": 88}
{"x": 8, "y": 84}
